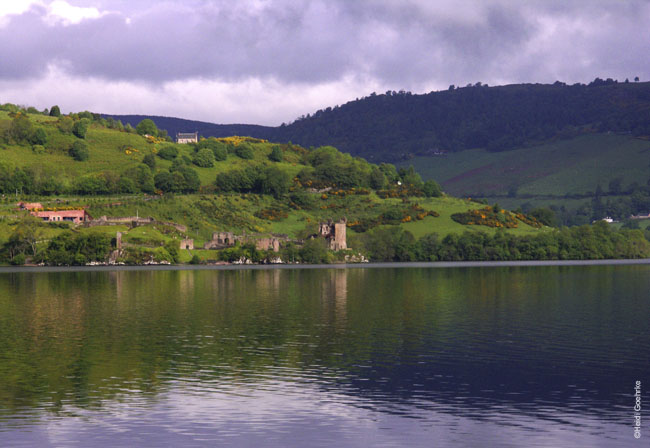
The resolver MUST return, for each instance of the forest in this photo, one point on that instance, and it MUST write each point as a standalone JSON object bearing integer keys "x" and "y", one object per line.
{"x": 393, "y": 126}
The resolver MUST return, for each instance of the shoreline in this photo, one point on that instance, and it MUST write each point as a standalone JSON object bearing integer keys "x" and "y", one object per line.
{"x": 414, "y": 264}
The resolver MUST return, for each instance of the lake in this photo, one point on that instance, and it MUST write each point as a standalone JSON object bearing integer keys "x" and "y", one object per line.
{"x": 541, "y": 356}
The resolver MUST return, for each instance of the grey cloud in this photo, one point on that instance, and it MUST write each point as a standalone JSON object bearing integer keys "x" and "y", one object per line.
{"x": 400, "y": 43}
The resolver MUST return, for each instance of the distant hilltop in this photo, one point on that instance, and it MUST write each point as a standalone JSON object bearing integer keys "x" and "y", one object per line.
{"x": 396, "y": 126}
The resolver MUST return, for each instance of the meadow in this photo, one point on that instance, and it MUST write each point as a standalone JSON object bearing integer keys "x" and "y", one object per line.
{"x": 563, "y": 167}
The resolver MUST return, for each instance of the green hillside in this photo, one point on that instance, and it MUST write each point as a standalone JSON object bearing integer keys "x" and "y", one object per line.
{"x": 564, "y": 167}
{"x": 246, "y": 186}
{"x": 393, "y": 126}
{"x": 568, "y": 175}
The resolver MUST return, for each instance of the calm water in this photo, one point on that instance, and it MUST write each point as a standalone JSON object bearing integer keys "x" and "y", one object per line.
{"x": 498, "y": 356}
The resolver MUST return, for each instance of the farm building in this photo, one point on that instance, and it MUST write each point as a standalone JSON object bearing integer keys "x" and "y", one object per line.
{"x": 74, "y": 216}
{"x": 30, "y": 205}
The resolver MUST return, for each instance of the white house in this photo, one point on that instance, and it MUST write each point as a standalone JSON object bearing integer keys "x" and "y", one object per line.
{"x": 187, "y": 137}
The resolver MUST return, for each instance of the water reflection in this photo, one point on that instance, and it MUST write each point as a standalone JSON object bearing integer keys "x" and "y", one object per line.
{"x": 381, "y": 356}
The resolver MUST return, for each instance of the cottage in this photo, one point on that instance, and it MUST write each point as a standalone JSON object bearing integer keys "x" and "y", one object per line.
{"x": 187, "y": 137}
{"x": 74, "y": 216}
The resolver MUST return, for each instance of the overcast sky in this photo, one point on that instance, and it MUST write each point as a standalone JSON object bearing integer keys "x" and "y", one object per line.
{"x": 270, "y": 61}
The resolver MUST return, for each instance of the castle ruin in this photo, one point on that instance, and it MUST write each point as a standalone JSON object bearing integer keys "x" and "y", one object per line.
{"x": 334, "y": 233}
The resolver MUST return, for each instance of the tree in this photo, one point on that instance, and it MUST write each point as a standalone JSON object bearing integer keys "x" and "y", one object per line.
{"x": 220, "y": 153}
{"x": 276, "y": 154}
{"x": 126, "y": 185}
{"x": 39, "y": 137}
{"x": 21, "y": 129}
{"x": 203, "y": 158}
{"x": 274, "y": 181}
{"x": 150, "y": 161}
{"x": 410, "y": 177}
{"x": 186, "y": 179}
{"x": 147, "y": 127}
{"x": 79, "y": 151}
{"x": 377, "y": 179}
{"x": 141, "y": 176}
{"x": 244, "y": 151}
{"x": 636, "y": 79}
{"x": 432, "y": 189}
{"x": 81, "y": 127}
{"x": 314, "y": 251}
{"x": 164, "y": 181}
{"x": 168, "y": 152}
{"x": 55, "y": 111}
{"x": 544, "y": 215}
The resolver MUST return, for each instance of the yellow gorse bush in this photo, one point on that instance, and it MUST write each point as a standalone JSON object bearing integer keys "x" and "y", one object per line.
{"x": 235, "y": 140}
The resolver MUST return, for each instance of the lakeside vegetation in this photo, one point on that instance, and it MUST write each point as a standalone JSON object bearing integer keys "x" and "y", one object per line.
{"x": 249, "y": 185}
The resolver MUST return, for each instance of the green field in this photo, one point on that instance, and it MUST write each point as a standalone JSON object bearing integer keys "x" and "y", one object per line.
{"x": 574, "y": 166}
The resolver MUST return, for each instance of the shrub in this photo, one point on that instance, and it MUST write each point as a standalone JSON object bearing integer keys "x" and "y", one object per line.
{"x": 276, "y": 154}
{"x": 150, "y": 161}
{"x": 272, "y": 214}
{"x": 141, "y": 177}
{"x": 314, "y": 251}
{"x": 81, "y": 127}
{"x": 55, "y": 111}
{"x": 21, "y": 128}
{"x": 18, "y": 260}
{"x": 244, "y": 151}
{"x": 79, "y": 151}
{"x": 164, "y": 181}
{"x": 39, "y": 137}
{"x": 220, "y": 153}
{"x": 38, "y": 149}
{"x": 126, "y": 185}
{"x": 273, "y": 181}
{"x": 168, "y": 152}
{"x": 377, "y": 179}
{"x": 203, "y": 158}
{"x": 432, "y": 189}
{"x": 65, "y": 125}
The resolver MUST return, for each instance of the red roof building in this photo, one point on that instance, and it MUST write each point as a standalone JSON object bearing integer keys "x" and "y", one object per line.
{"x": 75, "y": 216}
{"x": 30, "y": 205}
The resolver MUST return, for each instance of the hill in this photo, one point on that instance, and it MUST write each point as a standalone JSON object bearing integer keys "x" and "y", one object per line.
{"x": 565, "y": 167}
{"x": 583, "y": 178}
{"x": 247, "y": 186}
{"x": 176, "y": 125}
{"x": 399, "y": 125}
{"x": 159, "y": 195}
{"x": 250, "y": 177}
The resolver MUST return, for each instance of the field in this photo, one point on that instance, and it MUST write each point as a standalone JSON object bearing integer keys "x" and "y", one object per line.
{"x": 564, "y": 167}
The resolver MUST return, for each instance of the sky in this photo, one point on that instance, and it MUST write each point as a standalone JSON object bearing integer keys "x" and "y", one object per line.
{"x": 271, "y": 61}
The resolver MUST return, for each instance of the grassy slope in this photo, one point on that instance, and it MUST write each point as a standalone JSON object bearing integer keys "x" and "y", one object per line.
{"x": 572, "y": 166}
{"x": 203, "y": 214}
{"x": 108, "y": 151}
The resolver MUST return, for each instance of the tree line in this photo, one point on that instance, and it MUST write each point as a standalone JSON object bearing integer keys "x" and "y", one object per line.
{"x": 587, "y": 242}
{"x": 395, "y": 125}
